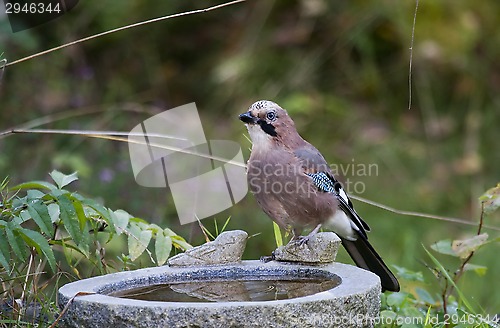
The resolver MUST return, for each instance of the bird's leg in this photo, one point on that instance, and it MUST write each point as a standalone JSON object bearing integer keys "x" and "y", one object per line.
{"x": 305, "y": 239}
{"x": 295, "y": 234}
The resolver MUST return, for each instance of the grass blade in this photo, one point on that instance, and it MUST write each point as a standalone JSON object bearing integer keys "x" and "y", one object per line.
{"x": 277, "y": 235}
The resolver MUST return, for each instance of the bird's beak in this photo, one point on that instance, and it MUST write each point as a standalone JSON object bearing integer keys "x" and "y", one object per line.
{"x": 248, "y": 118}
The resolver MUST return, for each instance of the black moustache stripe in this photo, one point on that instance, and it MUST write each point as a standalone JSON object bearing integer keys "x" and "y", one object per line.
{"x": 267, "y": 128}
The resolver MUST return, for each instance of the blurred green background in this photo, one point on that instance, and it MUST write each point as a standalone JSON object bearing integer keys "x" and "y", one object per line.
{"x": 339, "y": 68}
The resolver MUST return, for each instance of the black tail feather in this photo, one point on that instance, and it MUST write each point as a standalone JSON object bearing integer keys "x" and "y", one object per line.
{"x": 365, "y": 256}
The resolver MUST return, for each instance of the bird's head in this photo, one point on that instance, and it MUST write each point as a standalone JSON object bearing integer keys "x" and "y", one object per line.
{"x": 266, "y": 121}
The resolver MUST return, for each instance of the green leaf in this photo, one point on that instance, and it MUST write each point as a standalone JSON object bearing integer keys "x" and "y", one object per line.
{"x": 139, "y": 221}
{"x": 4, "y": 261}
{"x": 277, "y": 235}
{"x": 77, "y": 196}
{"x": 142, "y": 224}
{"x": 463, "y": 248}
{"x": 17, "y": 220}
{"x": 16, "y": 243}
{"x": 163, "y": 247}
{"x": 408, "y": 275}
{"x": 169, "y": 232}
{"x": 62, "y": 180}
{"x": 478, "y": 269}
{"x": 54, "y": 212}
{"x": 69, "y": 218}
{"x": 24, "y": 216}
{"x": 180, "y": 242}
{"x": 4, "y": 251}
{"x": 491, "y": 199}
{"x": 410, "y": 317}
{"x": 424, "y": 296}
{"x": 40, "y": 214}
{"x": 397, "y": 299}
{"x": 412, "y": 312}
{"x": 58, "y": 192}
{"x": 33, "y": 194}
{"x": 120, "y": 220}
{"x": 388, "y": 315}
{"x": 18, "y": 203}
{"x": 154, "y": 227}
{"x": 138, "y": 241}
{"x": 102, "y": 211}
{"x": 35, "y": 185}
{"x": 84, "y": 244}
{"x": 444, "y": 247}
{"x": 36, "y": 240}
{"x": 80, "y": 214}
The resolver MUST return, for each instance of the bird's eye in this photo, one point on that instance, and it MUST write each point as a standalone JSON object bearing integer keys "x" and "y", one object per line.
{"x": 271, "y": 116}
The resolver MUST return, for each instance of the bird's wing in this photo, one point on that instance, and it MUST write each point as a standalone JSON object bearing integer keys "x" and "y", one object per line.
{"x": 363, "y": 254}
{"x": 317, "y": 169}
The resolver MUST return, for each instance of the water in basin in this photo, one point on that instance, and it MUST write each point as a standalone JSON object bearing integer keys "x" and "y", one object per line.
{"x": 220, "y": 290}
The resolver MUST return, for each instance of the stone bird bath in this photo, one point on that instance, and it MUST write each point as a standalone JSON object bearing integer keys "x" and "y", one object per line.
{"x": 194, "y": 291}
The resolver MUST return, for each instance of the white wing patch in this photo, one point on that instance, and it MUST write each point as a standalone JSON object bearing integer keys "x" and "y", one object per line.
{"x": 342, "y": 225}
{"x": 343, "y": 195}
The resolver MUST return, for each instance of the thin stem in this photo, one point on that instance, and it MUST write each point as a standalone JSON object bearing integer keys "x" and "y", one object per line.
{"x": 418, "y": 214}
{"x": 154, "y": 20}
{"x": 114, "y": 135}
{"x": 461, "y": 269}
{"x": 30, "y": 263}
{"x": 444, "y": 296}
{"x": 481, "y": 219}
{"x": 411, "y": 54}
{"x": 3, "y": 63}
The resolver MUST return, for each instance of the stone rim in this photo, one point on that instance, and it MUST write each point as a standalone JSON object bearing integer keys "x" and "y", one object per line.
{"x": 103, "y": 285}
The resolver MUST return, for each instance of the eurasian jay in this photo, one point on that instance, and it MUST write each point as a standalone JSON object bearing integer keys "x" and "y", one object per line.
{"x": 295, "y": 187}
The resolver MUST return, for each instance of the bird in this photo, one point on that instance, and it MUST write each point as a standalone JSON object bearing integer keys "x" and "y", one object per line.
{"x": 294, "y": 185}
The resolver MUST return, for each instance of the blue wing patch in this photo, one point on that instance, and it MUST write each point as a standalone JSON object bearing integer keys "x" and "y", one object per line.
{"x": 327, "y": 183}
{"x": 324, "y": 183}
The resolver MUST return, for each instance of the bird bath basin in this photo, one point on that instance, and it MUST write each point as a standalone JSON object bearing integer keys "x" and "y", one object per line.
{"x": 236, "y": 289}
{"x": 245, "y": 294}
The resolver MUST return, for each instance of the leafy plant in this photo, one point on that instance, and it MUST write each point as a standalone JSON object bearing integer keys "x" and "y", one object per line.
{"x": 451, "y": 307}
{"x": 464, "y": 250}
{"x": 48, "y": 215}
{"x": 39, "y": 221}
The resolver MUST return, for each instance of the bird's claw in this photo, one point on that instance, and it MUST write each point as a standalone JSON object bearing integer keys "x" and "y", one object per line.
{"x": 301, "y": 240}
{"x": 268, "y": 258}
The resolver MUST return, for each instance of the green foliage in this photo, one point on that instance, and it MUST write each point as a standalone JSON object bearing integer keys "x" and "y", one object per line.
{"x": 277, "y": 234}
{"x": 491, "y": 199}
{"x": 70, "y": 220}
{"x": 43, "y": 223}
{"x": 420, "y": 307}
{"x": 208, "y": 234}
{"x": 424, "y": 306}
{"x": 340, "y": 68}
